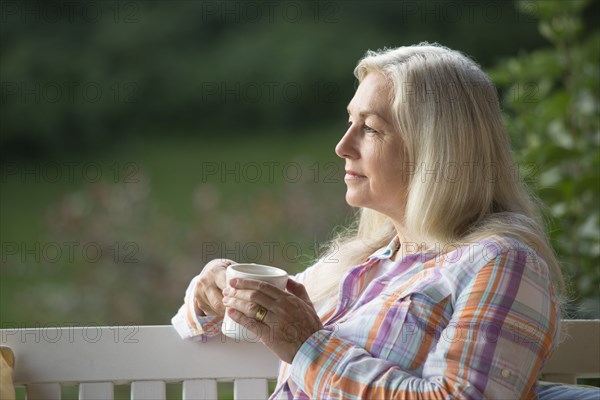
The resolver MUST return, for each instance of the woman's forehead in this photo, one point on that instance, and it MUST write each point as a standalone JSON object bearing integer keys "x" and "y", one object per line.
{"x": 372, "y": 97}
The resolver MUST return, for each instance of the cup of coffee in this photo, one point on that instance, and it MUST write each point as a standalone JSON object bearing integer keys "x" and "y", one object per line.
{"x": 275, "y": 276}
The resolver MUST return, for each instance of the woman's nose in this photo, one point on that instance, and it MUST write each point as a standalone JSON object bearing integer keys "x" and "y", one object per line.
{"x": 346, "y": 148}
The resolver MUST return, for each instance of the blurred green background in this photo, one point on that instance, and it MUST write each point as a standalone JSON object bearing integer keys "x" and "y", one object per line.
{"x": 140, "y": 139}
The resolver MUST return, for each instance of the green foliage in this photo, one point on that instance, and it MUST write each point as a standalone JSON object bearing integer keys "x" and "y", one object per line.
{"x": 206, "y": 67}
{"x": 551, "y": 98}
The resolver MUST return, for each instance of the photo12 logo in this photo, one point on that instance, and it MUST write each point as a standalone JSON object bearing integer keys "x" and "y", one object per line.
{"x": 74, "y": 92}
{"x": 70, "y": 252}
{"x": 268, "y": 92}
{"x": 69, "y": 172}
{"x": 70, "y": 332}
{"x": 271, "y": 172}
{"x": 69, "y": 12}
{"x": 249, "y": 12}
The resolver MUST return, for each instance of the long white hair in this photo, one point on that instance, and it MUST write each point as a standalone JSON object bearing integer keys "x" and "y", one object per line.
{"x": 463, "y": 183}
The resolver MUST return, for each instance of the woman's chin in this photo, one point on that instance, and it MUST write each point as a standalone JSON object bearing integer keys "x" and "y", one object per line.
{"x": 354, "y": 200}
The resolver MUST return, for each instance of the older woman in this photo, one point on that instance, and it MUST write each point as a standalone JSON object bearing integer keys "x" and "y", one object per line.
{"x": 446, "y": 287}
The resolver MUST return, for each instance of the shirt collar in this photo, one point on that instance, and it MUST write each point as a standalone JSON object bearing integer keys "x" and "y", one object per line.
{"x": 388, "y": 251}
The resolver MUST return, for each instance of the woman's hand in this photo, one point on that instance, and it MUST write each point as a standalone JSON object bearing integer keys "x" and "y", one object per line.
{"x": 290, "y": 316}
{"x": 208, "y": 297}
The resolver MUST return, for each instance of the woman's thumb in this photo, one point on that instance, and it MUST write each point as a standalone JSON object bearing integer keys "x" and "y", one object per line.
{"x": 298, "y": 289}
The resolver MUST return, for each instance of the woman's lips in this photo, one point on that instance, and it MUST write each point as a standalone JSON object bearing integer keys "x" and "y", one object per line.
{"x": 353, "y": 175}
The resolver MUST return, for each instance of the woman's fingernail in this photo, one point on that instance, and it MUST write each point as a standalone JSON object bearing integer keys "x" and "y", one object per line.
{"x": 226, "y": 299}
{"x": 233, "y": 282}
{"x": 226, "y": 291}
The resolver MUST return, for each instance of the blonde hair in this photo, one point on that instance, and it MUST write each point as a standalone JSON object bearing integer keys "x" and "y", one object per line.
{"x": 463, "y": 184}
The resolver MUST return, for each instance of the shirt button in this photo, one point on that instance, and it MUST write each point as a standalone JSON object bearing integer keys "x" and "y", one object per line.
{"x": 505, "y": 373}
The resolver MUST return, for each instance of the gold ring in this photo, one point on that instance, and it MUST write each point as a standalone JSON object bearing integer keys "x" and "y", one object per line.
{"x": 260, "y": 314}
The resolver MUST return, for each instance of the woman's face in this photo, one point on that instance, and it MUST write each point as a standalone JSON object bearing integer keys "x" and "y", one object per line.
{"x": 373, "y": 151}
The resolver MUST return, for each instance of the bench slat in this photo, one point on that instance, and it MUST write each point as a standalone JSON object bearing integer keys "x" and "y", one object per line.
{"x": 249, "y": 389}
{"x": 96, "y": 391}
{"x": 199, "y": 389}
{"x": 46, "y": 391}
{"x": 125, "y": 354}
{"x": 148, "y": 390}
{"x": 45, "y": 356}
{"x": 560, "y": 378}
{"x": 578, "y": 355}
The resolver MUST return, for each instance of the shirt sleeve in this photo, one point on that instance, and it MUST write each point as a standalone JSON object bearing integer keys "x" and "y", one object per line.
{"x": 503, "y": 327}
{"x": 284, "y": 368}
{"x": 189, "y": 321}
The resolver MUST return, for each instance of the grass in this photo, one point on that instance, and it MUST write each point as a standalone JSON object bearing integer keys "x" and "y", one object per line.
{"x": 175, "y": 168}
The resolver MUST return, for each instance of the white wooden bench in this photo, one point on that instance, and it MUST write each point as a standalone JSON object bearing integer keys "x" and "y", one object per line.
{"x": 148, "y": 357}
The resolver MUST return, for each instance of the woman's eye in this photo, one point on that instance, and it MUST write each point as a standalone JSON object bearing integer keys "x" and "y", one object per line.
{"x": 368, "y": 129}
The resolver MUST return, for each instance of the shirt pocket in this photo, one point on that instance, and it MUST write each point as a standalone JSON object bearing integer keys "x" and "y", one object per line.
{"x": 369, "y": 325}
{"x": 412, "y": 324}
{"x": 387, "y": 332}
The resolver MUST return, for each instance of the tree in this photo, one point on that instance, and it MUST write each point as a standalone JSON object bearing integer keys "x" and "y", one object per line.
{"x": 551, "y": 100}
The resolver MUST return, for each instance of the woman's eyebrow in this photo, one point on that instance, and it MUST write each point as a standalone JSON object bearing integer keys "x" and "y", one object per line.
{"x": 367, "y": 112}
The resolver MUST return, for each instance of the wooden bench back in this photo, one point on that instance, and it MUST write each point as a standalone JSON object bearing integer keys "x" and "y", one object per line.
{"x": 148, "y": 357}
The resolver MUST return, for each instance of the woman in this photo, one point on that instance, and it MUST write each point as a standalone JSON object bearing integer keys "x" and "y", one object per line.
{"x": 446, "y": 287}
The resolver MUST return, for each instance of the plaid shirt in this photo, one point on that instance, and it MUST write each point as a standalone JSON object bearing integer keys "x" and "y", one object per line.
{"x": 477, "y": 322}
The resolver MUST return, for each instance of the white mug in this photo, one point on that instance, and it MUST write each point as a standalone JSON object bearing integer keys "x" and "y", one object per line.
{"x": 275, "y": 276}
